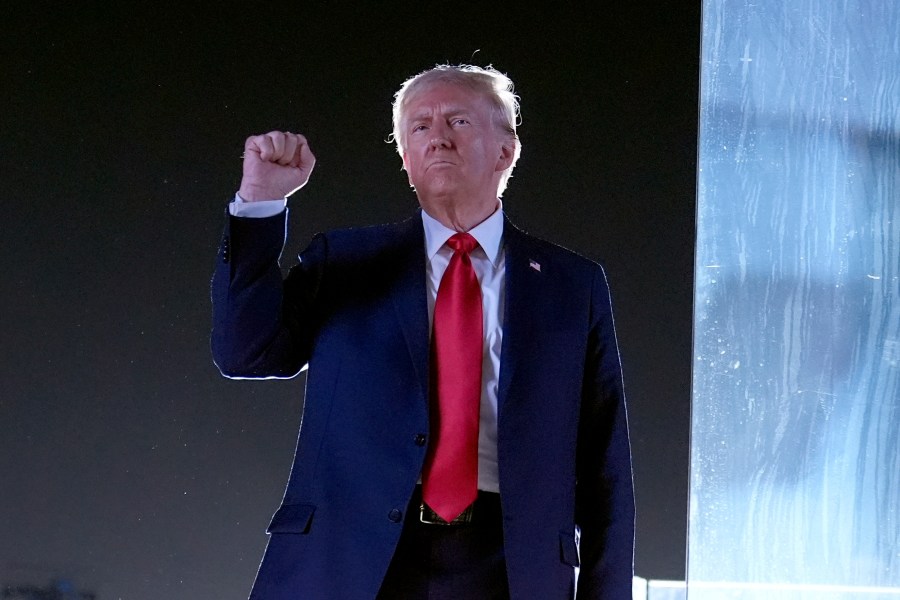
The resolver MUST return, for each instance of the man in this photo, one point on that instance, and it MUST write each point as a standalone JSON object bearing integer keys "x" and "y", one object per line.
{"x": 464, "y": 431}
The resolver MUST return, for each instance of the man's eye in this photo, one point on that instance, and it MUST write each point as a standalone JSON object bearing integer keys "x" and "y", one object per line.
{"x": 418, "y": 128}
{"x": 461, "y": 122}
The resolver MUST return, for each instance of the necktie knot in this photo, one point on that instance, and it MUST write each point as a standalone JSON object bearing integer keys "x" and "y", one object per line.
{"x": 462, "y": 242}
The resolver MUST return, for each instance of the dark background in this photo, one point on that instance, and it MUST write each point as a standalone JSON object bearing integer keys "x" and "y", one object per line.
{"x": 127, "y": 464}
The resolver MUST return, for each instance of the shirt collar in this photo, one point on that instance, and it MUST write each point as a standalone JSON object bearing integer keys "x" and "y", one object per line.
{"x": 488, "y": 234}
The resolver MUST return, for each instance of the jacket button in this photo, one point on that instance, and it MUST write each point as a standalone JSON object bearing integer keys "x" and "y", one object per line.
{"x": 395, "y": 516}
{"x": 420, "y": 439}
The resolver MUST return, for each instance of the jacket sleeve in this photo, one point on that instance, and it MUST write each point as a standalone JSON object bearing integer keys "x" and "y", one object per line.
{"x": 605, "y": 493}
{"x": 263, "y": 327}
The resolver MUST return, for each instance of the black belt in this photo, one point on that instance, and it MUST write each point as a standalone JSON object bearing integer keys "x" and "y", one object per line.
{"x": 485, "y": 509}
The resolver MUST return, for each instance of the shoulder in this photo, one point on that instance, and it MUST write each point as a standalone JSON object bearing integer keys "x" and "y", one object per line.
{"x": 374, "y": 236}
{"x": 555, "y": 276}
{"x": 362, "y": 249}
{"x": 522, "y": 244}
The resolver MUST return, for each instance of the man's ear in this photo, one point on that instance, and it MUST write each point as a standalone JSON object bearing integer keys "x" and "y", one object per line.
{"x": 507, "y": 153}
{"x": 406, "y": 168}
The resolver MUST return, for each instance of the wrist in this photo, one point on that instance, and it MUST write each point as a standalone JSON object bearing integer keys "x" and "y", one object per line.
{"x": 256, "y": 193}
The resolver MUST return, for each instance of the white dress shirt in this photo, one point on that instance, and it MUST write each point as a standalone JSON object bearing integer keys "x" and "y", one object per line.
{"x": 489, "y": 262}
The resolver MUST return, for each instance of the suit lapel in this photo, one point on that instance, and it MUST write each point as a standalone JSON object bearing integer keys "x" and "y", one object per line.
{"x": 524, "y": 281}
{"x": 410, "y": 300}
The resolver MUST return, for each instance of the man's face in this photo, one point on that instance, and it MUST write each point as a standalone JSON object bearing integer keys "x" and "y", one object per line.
{"x": 454, "y": 149}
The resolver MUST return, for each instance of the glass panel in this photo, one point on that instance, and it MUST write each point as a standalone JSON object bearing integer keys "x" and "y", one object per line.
{"x": 795, "y": 458}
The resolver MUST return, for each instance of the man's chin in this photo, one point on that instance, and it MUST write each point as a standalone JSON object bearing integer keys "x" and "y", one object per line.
{"x": 439, "y": 187}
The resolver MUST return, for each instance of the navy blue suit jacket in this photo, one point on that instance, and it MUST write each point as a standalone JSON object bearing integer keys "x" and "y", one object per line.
{"x": 354, "y": 309}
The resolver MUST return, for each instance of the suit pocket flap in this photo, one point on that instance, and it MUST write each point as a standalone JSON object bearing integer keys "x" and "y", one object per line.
{"x": 568, "y": 547}
{"x": 292, "y": 518}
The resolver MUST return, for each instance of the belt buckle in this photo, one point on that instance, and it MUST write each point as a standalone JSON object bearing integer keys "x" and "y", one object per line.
{"x": 429, "y": 517}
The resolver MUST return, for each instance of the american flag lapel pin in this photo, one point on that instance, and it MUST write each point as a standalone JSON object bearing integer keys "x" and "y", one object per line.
{"x": 534, "y": 265}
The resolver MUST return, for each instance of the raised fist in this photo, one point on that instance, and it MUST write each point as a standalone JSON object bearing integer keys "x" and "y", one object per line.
{"x": 276, "y": 165}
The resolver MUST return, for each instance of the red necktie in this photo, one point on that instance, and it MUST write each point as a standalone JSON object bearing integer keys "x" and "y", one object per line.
{"x": 450, "y": 477}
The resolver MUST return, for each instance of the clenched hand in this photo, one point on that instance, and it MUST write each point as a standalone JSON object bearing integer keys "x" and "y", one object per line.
{"x": 276, "y": 165}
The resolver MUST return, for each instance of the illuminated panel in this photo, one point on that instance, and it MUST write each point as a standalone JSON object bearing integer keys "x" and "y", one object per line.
{"x": 795, "y": 433}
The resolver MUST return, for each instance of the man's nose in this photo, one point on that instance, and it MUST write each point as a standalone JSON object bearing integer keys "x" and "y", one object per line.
{"x": 440, "y": 136}
{"x": 440, "y": 142}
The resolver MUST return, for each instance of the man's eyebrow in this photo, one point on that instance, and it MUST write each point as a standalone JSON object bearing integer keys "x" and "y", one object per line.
{"x": 451, "y": 111}
{"x": 454, "y": 111}
{"x": 427, "y": 115}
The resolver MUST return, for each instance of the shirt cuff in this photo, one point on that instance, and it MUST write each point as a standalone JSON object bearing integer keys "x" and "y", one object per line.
{"x": 256, "y": 210}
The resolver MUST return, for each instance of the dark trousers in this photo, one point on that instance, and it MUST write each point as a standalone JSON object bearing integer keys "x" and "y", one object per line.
{"x": 444, "y": 562}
